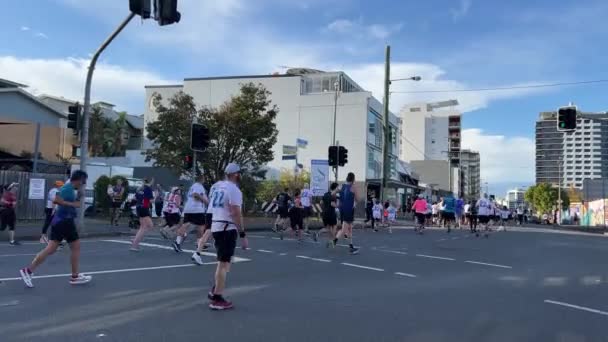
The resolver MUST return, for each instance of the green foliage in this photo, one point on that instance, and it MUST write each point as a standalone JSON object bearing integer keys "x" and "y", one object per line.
{"x": 268, "y": 189}
{"x": 102, "y": 201}
{"x": 106, "y": 137}
{"x": 242, "y": 131}
{"x": 543, "y": 198}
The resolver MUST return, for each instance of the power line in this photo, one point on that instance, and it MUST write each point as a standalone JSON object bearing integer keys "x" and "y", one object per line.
{"x": 546, "y": 85}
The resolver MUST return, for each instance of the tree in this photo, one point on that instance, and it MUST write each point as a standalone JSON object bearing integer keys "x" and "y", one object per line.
{"x": 242, "y": 131}
{"x": 96, "y": 132}
{"x": 106, "y": 137}
{"x": 543, "y": 198}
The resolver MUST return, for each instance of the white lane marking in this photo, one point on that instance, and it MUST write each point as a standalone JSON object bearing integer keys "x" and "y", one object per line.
{"x": 114, "y": 271}
{"x": 391, "y": 251}
{"x": 441, "y": 240}
{"x": 257, "y": 236}
{"x": 486, "y": 264}
{"x": 283, "y": 254}
{"x": 578, "y": 307}
{"x": 455, "y": 238}
{"x": 314, "y": 259}
{"x": 434, "y": 257}
{"x": 10, "y": 303}
{"x": 16, "y": 255}
{"x": 144, "y": 244}
{"x": 363, "y": 267}
{"x": 265, "y": 251}
{"x": 406, "y": 274}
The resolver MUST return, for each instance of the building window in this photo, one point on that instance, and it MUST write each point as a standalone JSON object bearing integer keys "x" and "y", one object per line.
{"x": 75, "y": 151}
{"x": 432, "y": 141}
{"x": 415, "y": 109}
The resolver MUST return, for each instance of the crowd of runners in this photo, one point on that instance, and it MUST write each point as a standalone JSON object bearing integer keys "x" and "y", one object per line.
{"x": 217, "y": 214}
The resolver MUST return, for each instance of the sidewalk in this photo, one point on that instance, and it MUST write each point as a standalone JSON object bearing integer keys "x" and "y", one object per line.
{"x": 28, "y": 231}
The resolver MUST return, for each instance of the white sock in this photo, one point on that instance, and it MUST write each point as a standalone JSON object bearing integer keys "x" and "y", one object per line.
{"x": 179, "y": 239}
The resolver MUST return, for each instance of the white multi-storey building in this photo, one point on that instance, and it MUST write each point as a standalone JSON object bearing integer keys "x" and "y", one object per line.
{"x": 305, "y": 99}
{"x": 515, "y": 198}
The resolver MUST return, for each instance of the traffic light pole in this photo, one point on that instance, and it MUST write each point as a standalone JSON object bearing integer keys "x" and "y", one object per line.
{"x": 84, "y": 138}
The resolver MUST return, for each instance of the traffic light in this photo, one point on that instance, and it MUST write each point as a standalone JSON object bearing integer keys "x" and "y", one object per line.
{"x": 566, "y": 118}
{"x": 74, "y": 117}
{"x": 142, "y": 8}
{"x": 166, "y": 12}
{"x": 342, "y": 156}
{"x": 332, "y": 156}
{"x": 199, "y": 137}
{"x": 188, "y": 163}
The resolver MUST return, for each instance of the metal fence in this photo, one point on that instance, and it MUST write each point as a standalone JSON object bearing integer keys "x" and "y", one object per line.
{"x": 28, "y": 209}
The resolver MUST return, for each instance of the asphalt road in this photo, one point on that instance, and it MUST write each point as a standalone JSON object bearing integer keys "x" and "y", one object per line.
{"x": 513, "y": 286}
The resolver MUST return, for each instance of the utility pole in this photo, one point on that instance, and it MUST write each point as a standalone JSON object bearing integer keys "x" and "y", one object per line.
{"x": 385, "y": 159}
{"x": 333, "y": 140}
{"x": 84, "y": 137}
{"x": 36, "y": 149}
{"x": 559, "y": 190}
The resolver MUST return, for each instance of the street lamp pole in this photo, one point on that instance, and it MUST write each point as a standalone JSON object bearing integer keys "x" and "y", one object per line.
{"x": 334, "y": 141}
{"x": 84, "y": 138}
{"x": 386, "y": 115}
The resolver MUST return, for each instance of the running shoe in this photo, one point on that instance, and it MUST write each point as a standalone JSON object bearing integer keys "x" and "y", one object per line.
{"x": 354, "y": 251}
{"x": 220, "y": 304}
{"x": 15, "y": 243}
{"x": 197, "y": 259}
{"x": 26, "y": 275}
{"x": 176, "y": 247}
{"x": 210, "y": 293}
{"x": 80, "y": 279}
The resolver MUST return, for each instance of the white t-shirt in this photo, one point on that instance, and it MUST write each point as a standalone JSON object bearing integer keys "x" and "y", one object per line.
{"x": 306, "y": 197}
{"x": 51, "y": 197}
{"x": 504, "y": 214}
{"x": 194, "y": 206}
{"x": 225, "y": 194}
{"x": 392, "y": 213}
{"x": 377, "y": 211}
{"x": 210, "y": 207}
{"x": 435, "y": 208}
{"x": 520, "y": 211}
{"x": 485, "y": 207}
{"x": 467, "y": 208}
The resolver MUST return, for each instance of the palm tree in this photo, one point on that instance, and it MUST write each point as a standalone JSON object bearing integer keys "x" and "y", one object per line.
{"x": 96, "y": 132}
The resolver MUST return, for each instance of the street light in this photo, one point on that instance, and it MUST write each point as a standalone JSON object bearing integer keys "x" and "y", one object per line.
{"x": 387, "y": 91}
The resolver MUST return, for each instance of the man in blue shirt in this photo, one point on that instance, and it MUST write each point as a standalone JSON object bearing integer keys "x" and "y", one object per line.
{"x": 449, "y": 205}
{"x": 348, "y": 198}
{"x": 63, "y": 228}
{"x": 458, "y": 211}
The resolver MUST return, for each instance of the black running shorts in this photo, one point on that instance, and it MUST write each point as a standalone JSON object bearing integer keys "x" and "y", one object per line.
{"x": 64, "y": 230}
{"x": 208, "y": 220}
{"x": 283, "y": 212}
{"x": 197, "y": 219}
{"x": 7, "y": 219}
{"x": 143, "y": 212}
{"x": 330, "y": 220}
{"x": 483, "y": 219}
{"x": 225, "y": 244}
{"x": 448, "y": 216}
{"x": 172, "y": 218}
{"x": 420, "y": 217}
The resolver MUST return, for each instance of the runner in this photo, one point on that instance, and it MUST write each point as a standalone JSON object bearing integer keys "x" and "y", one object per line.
{"x": 144, "y": 197}
{"x": 429, "y": 213}
{"x": 435, "y": 212}
{"x": 484, "y": 210}
{"x": 392, "y": 217}
{"x": 504, "y": 216}
{"x": 8, "y": 218}
{"x": 447, "y": 216}
{"x": 50, "y": 210}
{"x": 226, "y": 201}
{"x": 520, "y": 215}
{"x": 282, "y": 200}
{"x": 458, "y": 212}
{"x": 194, "y": 213}
{"x": 296, "y": 216}
{"x": 420, "y": 207}
{"x": 63, "y": 227}
{"x": 116, "y": 196}
{"x": 171, "y": 212}
{"x": 467, "y": 213}
{"x": 159, "y": 196}
{"x": 329, "y": 205}
{"x": 376, "y": 214}
{"x": 348, "y": 198}
{"x": 306, "y": 198}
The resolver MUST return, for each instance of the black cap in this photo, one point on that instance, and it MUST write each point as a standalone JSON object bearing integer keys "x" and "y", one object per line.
{"x": 79, "y": 175}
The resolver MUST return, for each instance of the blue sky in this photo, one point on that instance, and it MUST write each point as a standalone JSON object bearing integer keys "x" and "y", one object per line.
{"x": 452, "y": 44}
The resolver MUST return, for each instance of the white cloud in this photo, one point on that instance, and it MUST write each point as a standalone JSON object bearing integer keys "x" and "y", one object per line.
{"x": 41, "y": 35}
{"x": 503, "y": 159}
{"x": 462, "y": 10}
{"x": 360, "y": 30}
{"x": 25, "y": 28}
{"x": 65, "y": 77}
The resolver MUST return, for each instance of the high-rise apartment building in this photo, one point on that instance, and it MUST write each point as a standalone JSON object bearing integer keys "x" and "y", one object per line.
{"x": 571, "y": 157}
{"x": 470, "y": 169}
